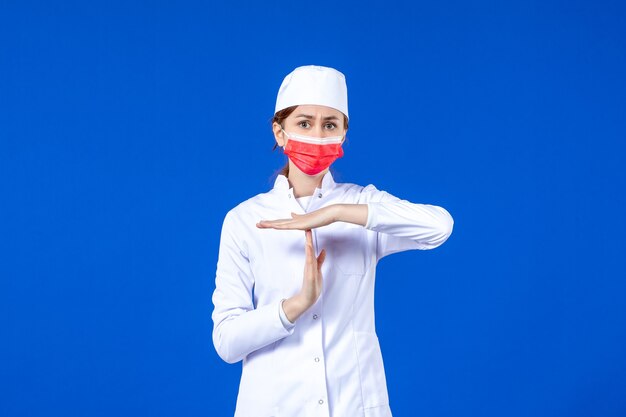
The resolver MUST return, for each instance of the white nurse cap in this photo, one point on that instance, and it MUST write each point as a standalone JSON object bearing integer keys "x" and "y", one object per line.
{"x": 312, "y": 84}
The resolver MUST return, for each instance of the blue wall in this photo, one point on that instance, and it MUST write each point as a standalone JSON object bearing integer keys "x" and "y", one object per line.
{"x": 129, "y": 129}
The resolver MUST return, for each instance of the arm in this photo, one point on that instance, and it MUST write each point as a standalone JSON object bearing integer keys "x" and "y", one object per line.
{"x": 404, "y": 225}
{"x": 401, "y": 224}
{"x": 238, "y": 327}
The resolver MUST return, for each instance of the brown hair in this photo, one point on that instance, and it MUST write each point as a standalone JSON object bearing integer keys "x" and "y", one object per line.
{"x": 279, "y": 118}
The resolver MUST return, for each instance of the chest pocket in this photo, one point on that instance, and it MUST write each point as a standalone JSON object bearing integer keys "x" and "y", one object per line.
{"x": 346, "y": 247}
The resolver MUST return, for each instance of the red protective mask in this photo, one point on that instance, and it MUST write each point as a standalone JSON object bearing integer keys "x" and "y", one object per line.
{"x": 311, "y": 154}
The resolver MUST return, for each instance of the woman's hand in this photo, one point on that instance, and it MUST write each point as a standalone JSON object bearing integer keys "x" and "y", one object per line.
{"x": 295, "y": 306}
{"x": 311, "y": 283}
{"x": 317, "y": 218}
{"x": 351, "y": 213}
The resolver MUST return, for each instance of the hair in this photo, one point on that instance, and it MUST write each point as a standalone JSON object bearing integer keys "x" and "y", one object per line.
{"x": 279, "y": 118}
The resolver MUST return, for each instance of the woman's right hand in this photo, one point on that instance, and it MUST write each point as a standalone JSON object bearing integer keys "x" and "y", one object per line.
{"x": 311, "y": 289}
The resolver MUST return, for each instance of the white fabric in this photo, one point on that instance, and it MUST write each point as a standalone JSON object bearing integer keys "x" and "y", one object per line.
{"x": 304, "y": 201}
{"x": 283, "y": 317}
{"x": 312, "y": 139}
{"x": 313, "y": 84}
{"x": 327, "y": 363}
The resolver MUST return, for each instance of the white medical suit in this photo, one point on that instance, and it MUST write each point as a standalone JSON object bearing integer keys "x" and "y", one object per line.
{"x": 327, "y": 363}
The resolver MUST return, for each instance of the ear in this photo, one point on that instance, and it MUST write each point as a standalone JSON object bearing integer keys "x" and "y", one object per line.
{"x": 278, "y": 134}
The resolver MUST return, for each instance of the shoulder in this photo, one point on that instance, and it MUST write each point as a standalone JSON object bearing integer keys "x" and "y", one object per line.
{"x": 250, "y": 208}
{"x": 365, "y": 194}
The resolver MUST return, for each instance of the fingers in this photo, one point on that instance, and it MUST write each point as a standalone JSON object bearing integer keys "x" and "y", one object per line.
{"x": 297, "y": 221}
{"x": 308, "y": 246}
{"x": 312, "y": 220}
{"x": 293, "y": 223}
{"x": 320, "y": 259}
{"x": 274, "y": 224}
{"x": 309, "y": 251}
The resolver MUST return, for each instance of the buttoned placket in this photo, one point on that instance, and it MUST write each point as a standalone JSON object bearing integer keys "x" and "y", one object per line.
{"x": 316, "y": 324}
{"x": 318, "y": 363}
{"x": 318, "y": 360}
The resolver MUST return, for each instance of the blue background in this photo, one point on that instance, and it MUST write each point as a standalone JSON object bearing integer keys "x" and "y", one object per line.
{"x": 128, "y": 129}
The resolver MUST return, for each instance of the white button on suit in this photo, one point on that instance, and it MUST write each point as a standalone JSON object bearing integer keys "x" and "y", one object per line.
{"x": 327, "y": 363}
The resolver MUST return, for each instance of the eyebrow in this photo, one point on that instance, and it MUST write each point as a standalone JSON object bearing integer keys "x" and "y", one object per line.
{"x": 308, "y": 116}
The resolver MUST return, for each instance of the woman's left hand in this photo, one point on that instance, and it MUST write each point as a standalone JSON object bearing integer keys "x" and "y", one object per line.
{"x": 350, "y": 213}
{"x": 317, "y": 218}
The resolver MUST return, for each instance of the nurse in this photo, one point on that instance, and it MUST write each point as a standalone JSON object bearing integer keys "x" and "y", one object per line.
{"x": 294, "y": 287}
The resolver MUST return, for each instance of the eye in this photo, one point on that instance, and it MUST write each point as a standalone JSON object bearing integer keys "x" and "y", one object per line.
{"x": 330, "y": 126}
{"x": 304, "y": 123}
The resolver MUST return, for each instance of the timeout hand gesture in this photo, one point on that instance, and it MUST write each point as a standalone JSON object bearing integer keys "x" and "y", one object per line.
{"x": 295, "y": 306}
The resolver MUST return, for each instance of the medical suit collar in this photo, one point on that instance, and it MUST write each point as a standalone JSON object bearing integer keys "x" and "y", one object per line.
{"x": 282, "y": 183}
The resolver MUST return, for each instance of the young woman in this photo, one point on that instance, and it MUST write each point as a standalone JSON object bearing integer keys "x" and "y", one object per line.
{"x": 294, "y": 288}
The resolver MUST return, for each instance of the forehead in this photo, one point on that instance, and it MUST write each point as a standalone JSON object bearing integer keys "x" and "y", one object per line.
{"x": 316, "y": 111}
